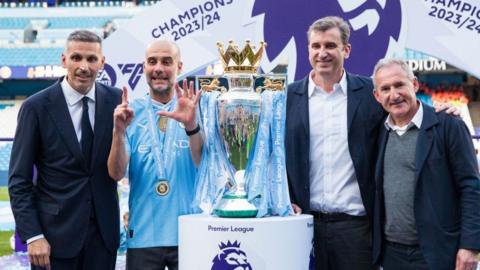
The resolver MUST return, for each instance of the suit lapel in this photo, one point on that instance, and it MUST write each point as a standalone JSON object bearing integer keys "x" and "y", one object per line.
{"x": 425, "y": 138}
{"x": 353, "y": 98}
{"x": 102, "y": 115}
{"x": 382, "y": 140}
{"x": 58, "y": 111}
{"x": 302, "y": 106}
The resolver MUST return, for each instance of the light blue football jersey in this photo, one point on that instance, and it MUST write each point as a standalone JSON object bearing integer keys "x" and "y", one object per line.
{"x": 154, "y": 218}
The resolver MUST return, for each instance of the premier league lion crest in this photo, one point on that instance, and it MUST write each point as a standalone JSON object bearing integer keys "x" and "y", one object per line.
{"x": 231, "y": 257}
{"x": 374, "y": 24}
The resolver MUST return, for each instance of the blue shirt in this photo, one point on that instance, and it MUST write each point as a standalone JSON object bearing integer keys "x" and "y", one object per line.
{"x": 154, "y": 218}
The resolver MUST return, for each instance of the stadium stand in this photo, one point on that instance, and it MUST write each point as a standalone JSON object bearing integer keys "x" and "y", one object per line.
{"x": 30, "y": 56}
{"x": 30, "y": 38}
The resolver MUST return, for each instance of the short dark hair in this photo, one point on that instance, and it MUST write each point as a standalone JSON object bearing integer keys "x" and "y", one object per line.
{"x": 84, "y": 36}
{"x": 327, "y": 23}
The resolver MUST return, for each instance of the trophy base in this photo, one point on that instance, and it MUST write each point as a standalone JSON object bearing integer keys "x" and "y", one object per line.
{"x": 235, "y": 206}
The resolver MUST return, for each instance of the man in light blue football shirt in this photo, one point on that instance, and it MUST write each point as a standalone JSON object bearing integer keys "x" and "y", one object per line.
{"x": 158, "y": 138}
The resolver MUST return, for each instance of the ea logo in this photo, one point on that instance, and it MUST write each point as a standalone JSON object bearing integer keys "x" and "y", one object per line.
{"x": 374, "y": 23}
{"x": 107, "y": 75}
{"x": 231, "y": 257}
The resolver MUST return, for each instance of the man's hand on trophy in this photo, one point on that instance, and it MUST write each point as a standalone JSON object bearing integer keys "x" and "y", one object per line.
{"x": 186, "y": 105}
{"x": 122, "y": 115}
{"x": 296, "y": 209}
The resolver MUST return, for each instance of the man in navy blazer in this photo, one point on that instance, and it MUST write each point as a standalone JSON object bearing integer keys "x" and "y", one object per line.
{"x": 69, "y": 217}
{"x": 331, "y": 131}
{"x": 427, "y": 206}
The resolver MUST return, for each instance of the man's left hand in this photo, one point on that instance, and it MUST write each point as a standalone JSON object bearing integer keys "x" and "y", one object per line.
{"x": 447, "y": 107}
{"x": 466, "y": 260}
{"x": 186, "y": 106}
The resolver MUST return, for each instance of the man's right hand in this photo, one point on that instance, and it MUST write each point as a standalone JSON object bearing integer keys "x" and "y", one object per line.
{"x": 39, "y": 253}
{"x": 123, "y": 115}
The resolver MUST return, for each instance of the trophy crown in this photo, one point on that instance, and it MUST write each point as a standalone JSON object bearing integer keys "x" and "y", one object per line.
{"x": 244, "y": 61}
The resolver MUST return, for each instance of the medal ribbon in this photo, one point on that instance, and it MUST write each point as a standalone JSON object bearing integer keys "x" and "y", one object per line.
{"x": 163, "y": 144}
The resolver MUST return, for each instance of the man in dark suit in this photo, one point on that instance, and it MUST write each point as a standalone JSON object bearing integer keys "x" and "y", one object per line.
{"x": 331, "y": 130}
{"x": 69, "y": 218}
{"x": 427, "y": 206}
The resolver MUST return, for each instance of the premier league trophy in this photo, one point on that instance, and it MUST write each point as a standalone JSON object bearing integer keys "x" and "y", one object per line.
{"x": 243, "y": 164}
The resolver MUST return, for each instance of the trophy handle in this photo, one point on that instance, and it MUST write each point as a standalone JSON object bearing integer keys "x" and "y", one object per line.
{"x": 211, "y": 84}
{"x": 271, "y": 83}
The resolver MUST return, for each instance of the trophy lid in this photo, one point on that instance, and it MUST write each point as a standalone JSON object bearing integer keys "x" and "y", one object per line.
{"x": 245, "y": 61}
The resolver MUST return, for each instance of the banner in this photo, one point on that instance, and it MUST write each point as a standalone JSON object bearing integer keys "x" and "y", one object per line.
{"x": 446, "y": 29}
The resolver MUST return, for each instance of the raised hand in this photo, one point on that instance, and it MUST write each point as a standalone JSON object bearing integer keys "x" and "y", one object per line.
{"x": 186, "y": 106}
{"x": 123, "y": 115}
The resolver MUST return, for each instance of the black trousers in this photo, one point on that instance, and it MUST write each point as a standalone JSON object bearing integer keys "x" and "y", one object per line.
{"x": 154, "y": 258}
{"x": 342, "y": 242}
{"x": 402, "y": 257}
{"x": 93, "y": 256}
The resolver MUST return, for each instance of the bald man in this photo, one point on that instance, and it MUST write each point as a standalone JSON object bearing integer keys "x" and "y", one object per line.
{"x": 157, "y": 137}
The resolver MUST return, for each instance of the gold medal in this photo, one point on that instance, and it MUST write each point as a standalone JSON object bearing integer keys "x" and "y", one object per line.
{"x": 162, "y": 188}
{"x": 162, "y": 123}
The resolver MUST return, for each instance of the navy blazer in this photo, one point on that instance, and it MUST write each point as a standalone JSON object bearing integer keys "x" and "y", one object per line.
{"x": 364, "y": 116}
{"x": 59, "y": 205}
{"x": 447, "y": 194}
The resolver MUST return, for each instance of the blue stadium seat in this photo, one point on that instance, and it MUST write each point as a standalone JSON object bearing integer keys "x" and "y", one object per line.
{"x": 14, "y": 23}
{"x": 57, "y": 22}
{"x": 30, "y": 56}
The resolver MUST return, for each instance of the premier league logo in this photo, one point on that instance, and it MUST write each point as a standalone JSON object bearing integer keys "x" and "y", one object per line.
{"x": 374, "y": 23}
{"x": 231, "y": 257}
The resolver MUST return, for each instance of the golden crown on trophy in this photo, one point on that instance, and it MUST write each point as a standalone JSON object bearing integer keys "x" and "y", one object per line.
{"x": 245, "y": 61}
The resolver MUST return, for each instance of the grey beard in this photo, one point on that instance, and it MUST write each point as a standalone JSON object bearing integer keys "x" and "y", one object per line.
{"x": 163, "y": 91}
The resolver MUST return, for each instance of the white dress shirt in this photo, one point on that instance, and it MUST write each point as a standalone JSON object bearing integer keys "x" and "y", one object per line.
{"x": 75, "y": 108}
{"x": 74, "y": 104}
{"x": 416, "y": 121}
{"x": 333, "y": 184}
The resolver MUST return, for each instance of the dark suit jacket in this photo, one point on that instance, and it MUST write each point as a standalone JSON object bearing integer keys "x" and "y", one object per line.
{"x": 447, "y": 194}
{"x": 59, "y": 205}
{"x": 364, "y": 117}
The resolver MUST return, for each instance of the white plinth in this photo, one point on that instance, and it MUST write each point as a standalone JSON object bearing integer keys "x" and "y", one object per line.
{"x": 272, "y": 243}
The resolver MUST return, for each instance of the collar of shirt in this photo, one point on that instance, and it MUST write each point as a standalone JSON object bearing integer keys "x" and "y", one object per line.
{"x": 342, "y": 85}
{"x": 72, "y": 96}
{"x": 416, "y": 121}
{"x": 161, "y": 106}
